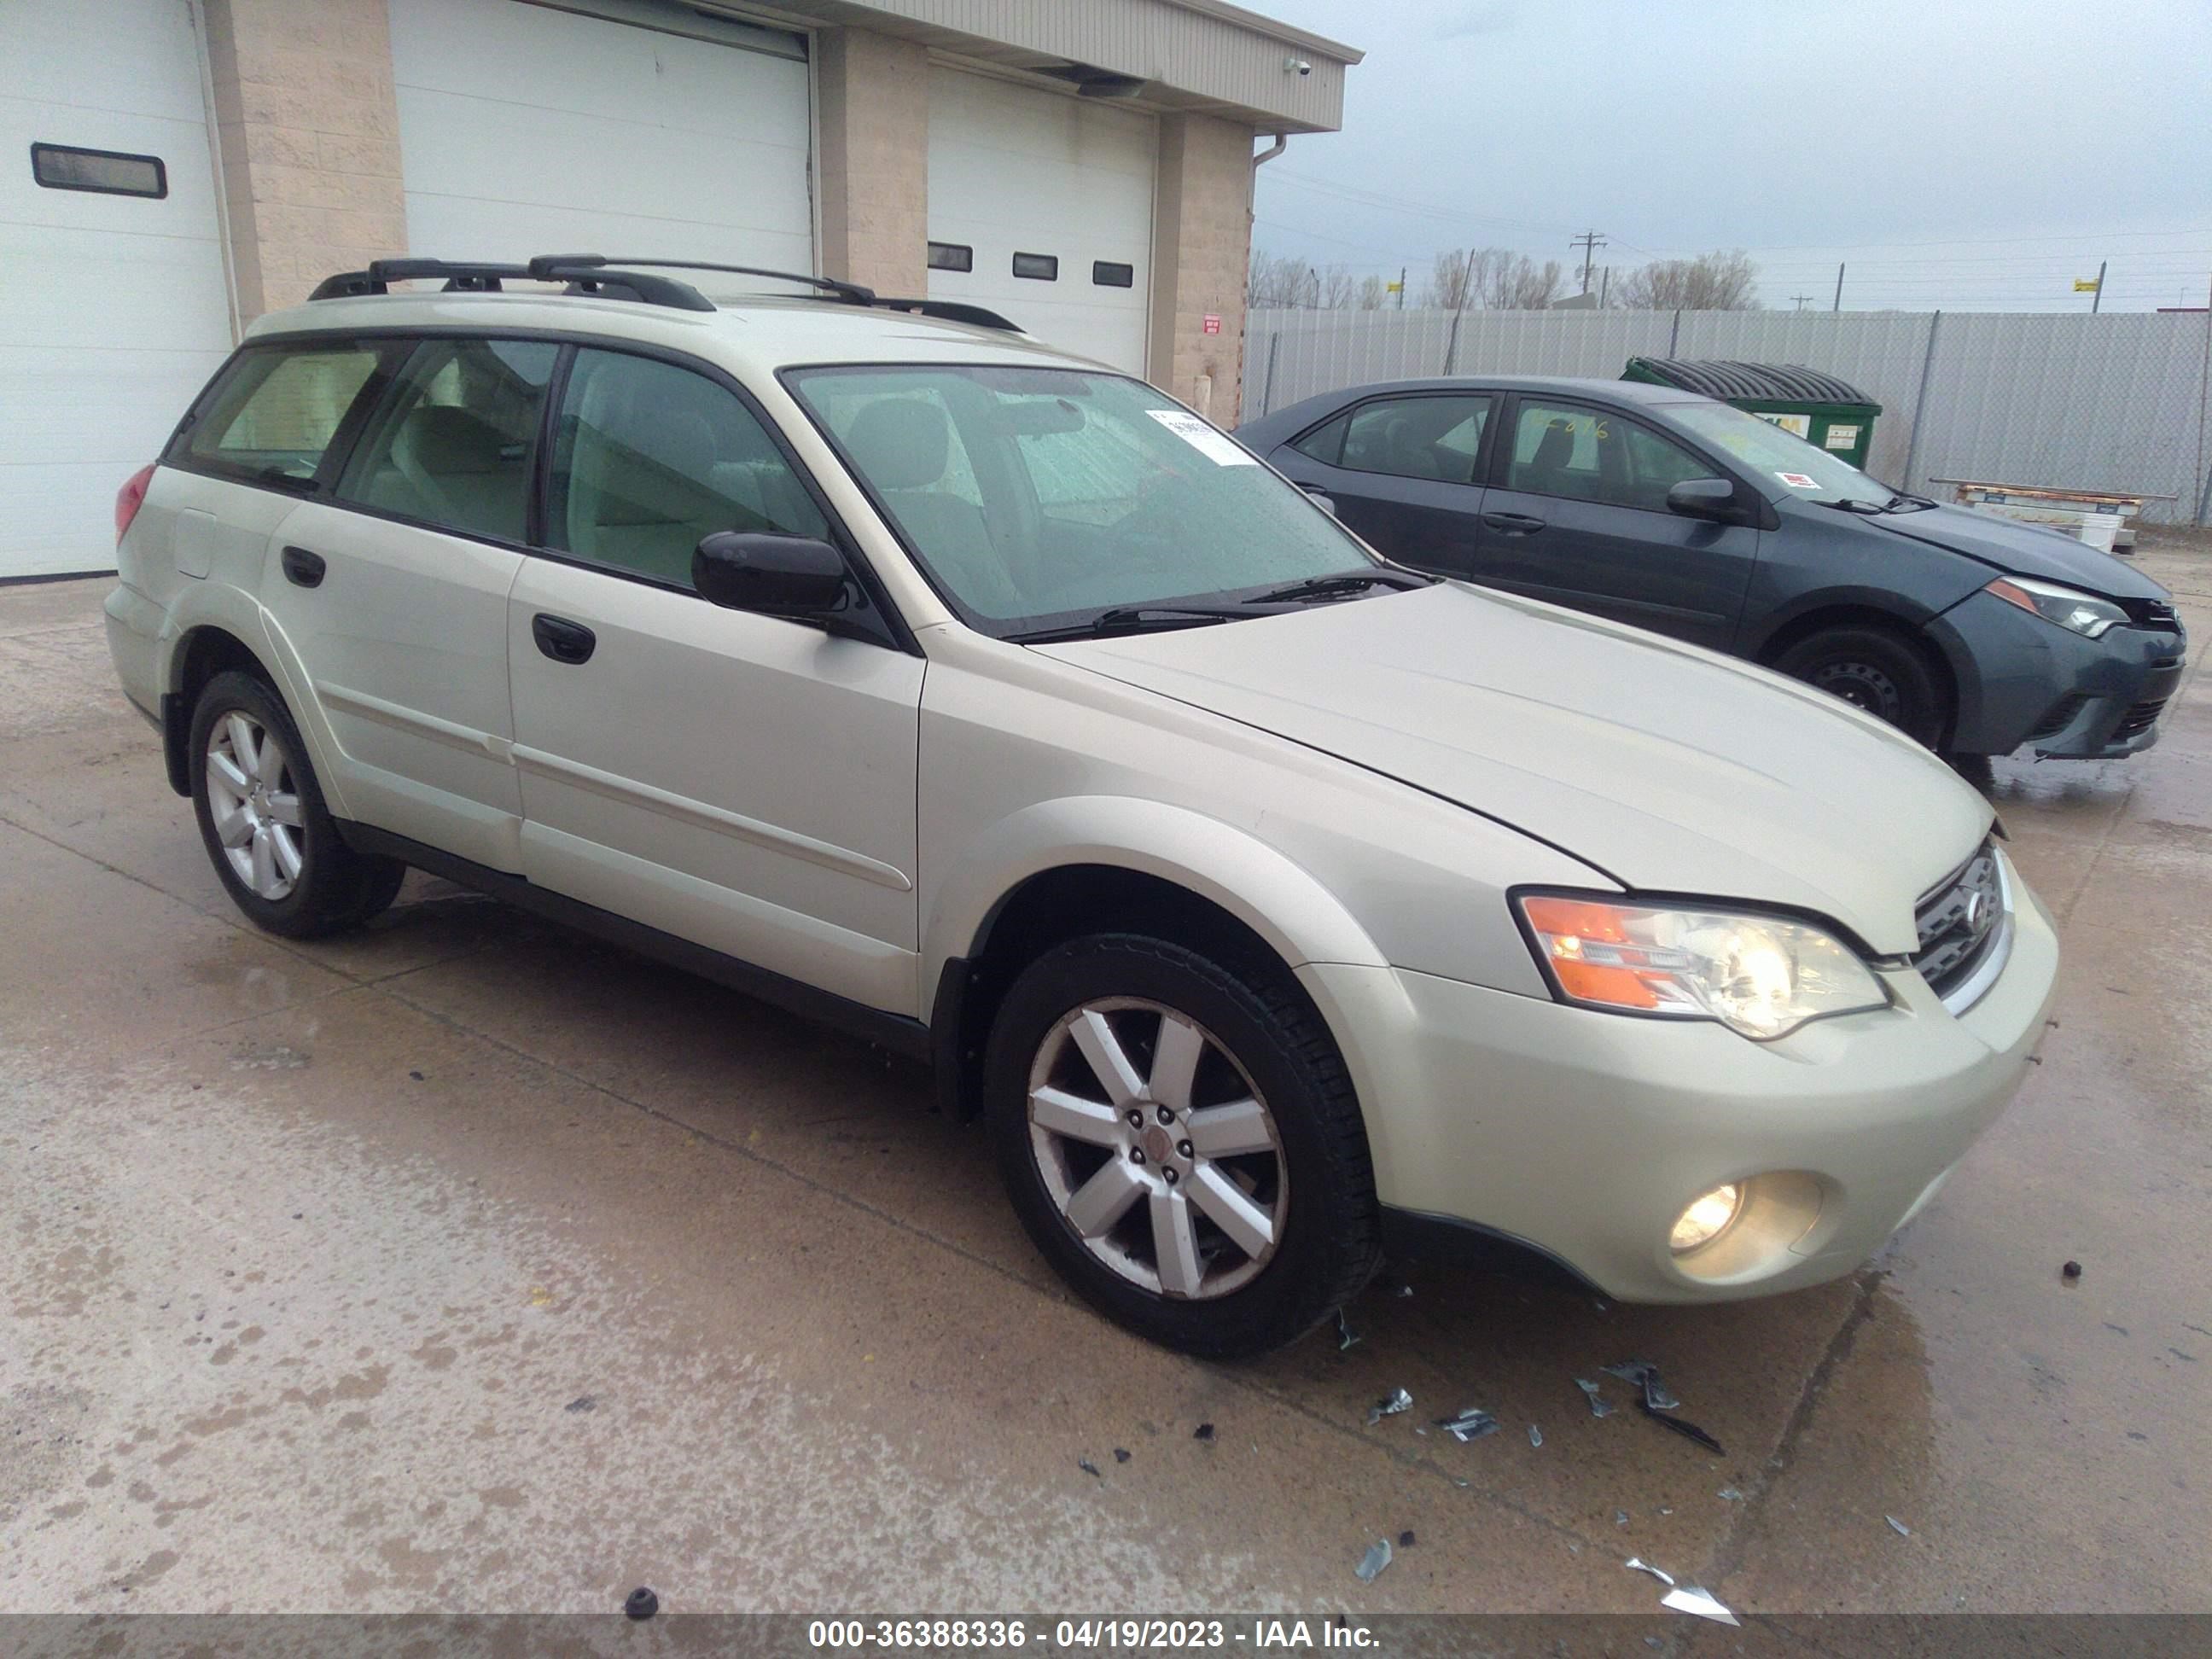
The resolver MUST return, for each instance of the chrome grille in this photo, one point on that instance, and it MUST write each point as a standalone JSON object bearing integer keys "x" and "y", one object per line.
{"x": 1961, "y": 922}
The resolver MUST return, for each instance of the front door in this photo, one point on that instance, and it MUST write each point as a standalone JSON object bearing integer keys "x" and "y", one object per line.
{"x": 742, "y": 782}
{"x": 1577, "y": 513}
{"x": 1403, "y": 472}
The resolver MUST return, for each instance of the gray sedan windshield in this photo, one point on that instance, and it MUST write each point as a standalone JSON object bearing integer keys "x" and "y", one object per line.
{"x": 1036, "y": 497}
{"x": 1776, "y": 460}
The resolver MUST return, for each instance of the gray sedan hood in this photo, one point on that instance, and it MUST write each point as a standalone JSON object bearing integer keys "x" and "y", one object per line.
{"x": 2020, "y": 550}
{"x": 1668, "y": 769}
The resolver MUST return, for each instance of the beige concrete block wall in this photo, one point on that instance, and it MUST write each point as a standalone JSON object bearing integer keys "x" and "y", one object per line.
{"x": 872, "y": 107}
{"x": 1201, "y": 249}
{"x": 308, "y": 127}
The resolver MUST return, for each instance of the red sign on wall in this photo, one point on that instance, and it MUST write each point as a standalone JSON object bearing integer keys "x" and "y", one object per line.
{"x": 1213, "y": 323}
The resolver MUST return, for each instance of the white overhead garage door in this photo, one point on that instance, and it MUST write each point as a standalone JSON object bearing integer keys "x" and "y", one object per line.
{"x": 114, "y": 308}
{"x": 1057, "y": 187}
{"x": 524, "y": 130}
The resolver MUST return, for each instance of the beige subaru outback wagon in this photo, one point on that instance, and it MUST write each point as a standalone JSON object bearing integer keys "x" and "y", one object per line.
{"x": 1273, "y": 905}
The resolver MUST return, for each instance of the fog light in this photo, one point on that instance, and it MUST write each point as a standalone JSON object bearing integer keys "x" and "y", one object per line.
{"x": 1706, "y": 1220}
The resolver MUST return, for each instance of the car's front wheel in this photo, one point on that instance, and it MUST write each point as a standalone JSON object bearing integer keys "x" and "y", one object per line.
{"x": 1182, "y": 1143}
{"x": 262, "y": 817}
{"x": 1875, "y": 670}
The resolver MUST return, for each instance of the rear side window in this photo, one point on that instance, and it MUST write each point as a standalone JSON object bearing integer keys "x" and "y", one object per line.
{"x": 653, "y": 459}
{"x": 450, "y": 446}
{"x": 276, "y": 411}
{"x": 1427, "y": 437}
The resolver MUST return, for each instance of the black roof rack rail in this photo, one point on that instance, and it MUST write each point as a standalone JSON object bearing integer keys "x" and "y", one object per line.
{"x": 949, "y": 311}
{"x": 852, "y": 291}
{"x": 590, "y": 275}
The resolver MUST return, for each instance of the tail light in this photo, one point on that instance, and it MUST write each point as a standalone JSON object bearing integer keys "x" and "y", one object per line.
{"x": 130, "y": 499}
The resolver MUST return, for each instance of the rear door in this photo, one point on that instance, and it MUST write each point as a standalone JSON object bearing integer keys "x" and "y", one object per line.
{"x": 1577, "y": 513}
{"x": 392, "y": 592}
{"x": 1403, "y": 470}
{"x": 740, "y": 782}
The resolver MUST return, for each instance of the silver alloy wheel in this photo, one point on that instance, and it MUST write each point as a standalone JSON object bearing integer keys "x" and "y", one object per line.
{"x": 1161, "y": 1155}
{"x": 254, "y": 802}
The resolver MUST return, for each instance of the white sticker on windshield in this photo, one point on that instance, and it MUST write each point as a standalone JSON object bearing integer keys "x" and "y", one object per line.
{"x": 1797, "y": 480}
{"x": 1216, "y": 446}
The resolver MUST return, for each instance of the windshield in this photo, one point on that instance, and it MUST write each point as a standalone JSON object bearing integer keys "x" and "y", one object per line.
{"x": 1042, "y": 498}
{"x": 1775, "y": 458}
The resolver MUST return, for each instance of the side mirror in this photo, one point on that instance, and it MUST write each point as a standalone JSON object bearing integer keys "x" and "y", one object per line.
{"x": 794, "y": 577}
{"x": 1325, "y": 501}
{"x": 1703, "y": 498}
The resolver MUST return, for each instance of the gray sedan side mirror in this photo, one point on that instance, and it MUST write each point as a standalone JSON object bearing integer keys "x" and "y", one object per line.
{"x": 1703, "y": 498}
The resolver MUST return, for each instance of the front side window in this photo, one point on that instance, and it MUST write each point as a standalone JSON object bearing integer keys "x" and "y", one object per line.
{"x": 276, "y": 408}
{"x": 1597, "y": 455}
{"x": 452, "y": 445}
{"x": 1417, "y": 437}
{"x": 1039, "y": 497}
{"x": 652, "y": 459}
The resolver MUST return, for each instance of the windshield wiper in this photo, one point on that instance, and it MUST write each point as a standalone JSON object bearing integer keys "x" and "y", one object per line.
{"x": 1850, "y": 504}
{"x": 1901, "y": 502}
{"x": 1329, "y": 587}
{"x": 1136, "y": 619}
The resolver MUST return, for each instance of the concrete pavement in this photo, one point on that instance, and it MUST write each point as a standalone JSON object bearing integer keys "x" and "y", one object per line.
{"x": 464, "y": 1264}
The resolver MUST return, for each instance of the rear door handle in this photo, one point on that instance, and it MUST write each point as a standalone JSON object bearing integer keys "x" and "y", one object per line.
{"x": 562, "y": 640}
{"x": 1513, "y": 524}
{"x": 303, "y": 569}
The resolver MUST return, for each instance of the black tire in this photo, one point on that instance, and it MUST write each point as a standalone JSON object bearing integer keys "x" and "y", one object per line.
{"x": 1328, "y": 1242}
{"x": 336, "y": 888}
{"x": 1872, "y": 669}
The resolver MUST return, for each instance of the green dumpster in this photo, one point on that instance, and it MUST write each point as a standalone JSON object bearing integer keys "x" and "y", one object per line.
{"x": 1826, "y": 412}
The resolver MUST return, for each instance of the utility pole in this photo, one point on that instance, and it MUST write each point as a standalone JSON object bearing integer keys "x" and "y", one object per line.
{"x": 1589, "y": 242}
{"x": 1802, "y": 300}
{"x": 1401, "y": 287}
{"x": 1604, "y": 286}
{"x": 2098, "y": 298}
{"x": 1839, "y": 305}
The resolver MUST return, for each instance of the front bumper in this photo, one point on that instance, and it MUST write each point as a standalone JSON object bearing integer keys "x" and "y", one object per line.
{"x": 1584, "y": 1134}
{"x": 2025, "y": 683}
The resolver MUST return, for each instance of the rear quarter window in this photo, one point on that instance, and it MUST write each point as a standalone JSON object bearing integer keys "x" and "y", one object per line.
{"x": 274, "y": 411}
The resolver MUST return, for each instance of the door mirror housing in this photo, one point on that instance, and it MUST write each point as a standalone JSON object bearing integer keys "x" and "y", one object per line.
{"x": 1321, "y": 499}
{"x": 797, "y": 578}
{"x": 1704, "y": 498}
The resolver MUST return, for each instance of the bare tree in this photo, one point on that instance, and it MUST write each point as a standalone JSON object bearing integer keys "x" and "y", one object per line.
{"x": 1720, "y": 281}
{"x": 1493, "y": 279}
{"x": 1374, "y": 293}
{"x": 1334, "y": 287}
{"x": 1276, "y": 281}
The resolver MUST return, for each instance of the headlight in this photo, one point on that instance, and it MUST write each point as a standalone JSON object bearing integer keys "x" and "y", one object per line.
{"x": 1763, "y": 977}
{"x": 2083, "y": 613}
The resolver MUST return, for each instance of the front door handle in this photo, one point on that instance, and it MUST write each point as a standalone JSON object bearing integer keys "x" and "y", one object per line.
{"x": 562, "y": 640}
{"x": 303, "y": 569}
{"x": 1513, "y": 524}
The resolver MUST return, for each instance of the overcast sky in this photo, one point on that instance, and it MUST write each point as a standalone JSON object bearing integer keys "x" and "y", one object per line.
{"x": 1965, "y": 154}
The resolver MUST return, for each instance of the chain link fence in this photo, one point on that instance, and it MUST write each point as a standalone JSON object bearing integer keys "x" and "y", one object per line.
{"x": 2116, "y": 402}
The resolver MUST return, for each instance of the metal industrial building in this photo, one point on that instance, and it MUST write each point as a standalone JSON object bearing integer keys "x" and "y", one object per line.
{"x": 173, "y": 168}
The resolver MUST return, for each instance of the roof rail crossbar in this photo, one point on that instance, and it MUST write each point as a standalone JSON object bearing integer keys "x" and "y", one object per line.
{"x": 589, "y": 276}
{"x": 849, "y": 291}
{"x": 949, "y": 311}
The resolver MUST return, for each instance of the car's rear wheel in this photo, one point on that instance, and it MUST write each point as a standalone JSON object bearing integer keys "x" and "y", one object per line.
{"x": 1875, "y": 670}
{"x": 1181, "y": 1143}
{"x": 262, "y": 817}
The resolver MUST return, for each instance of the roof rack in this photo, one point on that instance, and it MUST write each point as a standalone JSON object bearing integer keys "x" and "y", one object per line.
{"x": 612, "y": 278}
{"x": 587, "y": 277}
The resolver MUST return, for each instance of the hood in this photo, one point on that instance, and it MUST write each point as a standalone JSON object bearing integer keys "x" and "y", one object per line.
{"x": 1666, "y": 768}
{"x": 2020, "y": 550}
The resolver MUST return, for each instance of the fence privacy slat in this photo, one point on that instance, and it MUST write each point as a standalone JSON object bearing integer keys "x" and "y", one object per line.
{"x": 2117, "y": 401}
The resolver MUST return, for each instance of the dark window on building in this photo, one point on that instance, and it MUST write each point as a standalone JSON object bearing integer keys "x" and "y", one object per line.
{"x": 103, "y": 172}
{"x": 952, "y": 256}
{"x": 1044, "y": 267}
{"x": 1104, "y": 273}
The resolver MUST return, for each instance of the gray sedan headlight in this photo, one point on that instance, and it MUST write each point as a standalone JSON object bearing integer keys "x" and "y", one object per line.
{"x": 1760, "y": 976}
{"x": 2083, "y": 613}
